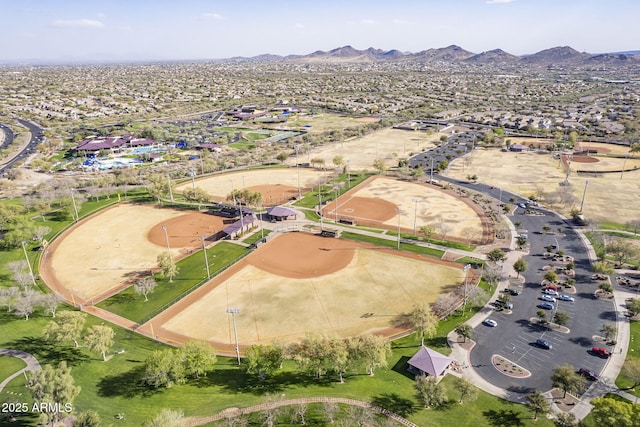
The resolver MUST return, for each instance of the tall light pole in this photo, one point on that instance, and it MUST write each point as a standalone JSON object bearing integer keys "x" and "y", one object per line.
{"x": 75, "y": 207}
{"x": 584, "y": 193}
{"x": 320, "y": 210}
{"x": 297, "y": 147}
{"x": 192, "y": 172}
{"x": 348, "y": 174}
{"x": 399, "y": 212}
{"x": 24, "y": 249}
{"x": 415, "y": 215}
{"x": 166, "y": 236}
{"x": 233, "y": 312}
{"x": 623, "y": 165}
{"x": 206, "y": 260}
{"x": 337, "y": 196}
{"x": 170, "y": 189}
{"x": 465, "y": 269}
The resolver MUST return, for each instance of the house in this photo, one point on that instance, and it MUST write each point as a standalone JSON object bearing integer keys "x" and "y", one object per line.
{"x": 428, "y": 362}
{"x": 518, "y": 148}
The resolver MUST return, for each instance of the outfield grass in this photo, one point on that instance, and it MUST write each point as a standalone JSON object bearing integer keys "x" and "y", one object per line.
{"x": 256, "y": 236}
{"x": 192, "y": 272}
{"x": 392, "y": 244}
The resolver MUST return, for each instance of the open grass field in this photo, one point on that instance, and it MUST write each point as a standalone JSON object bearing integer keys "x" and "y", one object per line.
{"x": 389, "y": 145}
{"x": 9, "y": 365}
{"x": 300, "y": 283}
{"x": 608, "y": 197}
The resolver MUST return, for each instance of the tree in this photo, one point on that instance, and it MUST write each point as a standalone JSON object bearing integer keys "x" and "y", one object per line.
{"x": 167, "y": 418}
{"x": 164, "y": 368}
{"x": 565, "y": 419}
{"x": 634, "y": 224}
{"x": 158, "y": 186}
{"x": 468, "y": 391}
{"x": 338, "y": 160}
{"x": 633, "y": 306}
{"x": 53, "y": 385}
{"x": 145, "y": 286}
{"x": 168, "y": 267}
{"x": 520, "y": 266}
{"x": 372, "y": 350}
{"x": 67, "y": 327}
{"x": 608, "y": 331}
{"x": 565, "y": 377}
{"x": 631, "y": 372}
{"x": 50, "y": 303}
{"x": 551, "y": 276}
{"x": 423, "y": 321}
{"x": 496, "y": 256}
{"x": 380, "y": 166}
{"x": 263, "y": 360}
{"x": 87, "y": 419}
{"x": 492, "y": 275}
{"x": 282, "y": 156}
{"x": 542, "y": 316}
{"x": 99, "y": 339}
{"x": 521, "y": 241}
{"x": 538, "y": 403}
{"x": 603, "y": 267}
{"x": 606, "y": 287}
{"x": 198, "y": 357}
{"x": 428, "y": 231}
{"x": 26, "y": 302}
{"x": 341, "y": 355}
{"x": 465, "y": 331}
{"x": 431, "y": 393}
{"x": 622, "y": 250}
{"x": 561, "y": 318}
{"x": 313, "y": 353}
{"x": 612, "y": 412}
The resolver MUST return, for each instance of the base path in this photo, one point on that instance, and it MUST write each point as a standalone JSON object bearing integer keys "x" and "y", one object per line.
{"x": 32, "y": 364}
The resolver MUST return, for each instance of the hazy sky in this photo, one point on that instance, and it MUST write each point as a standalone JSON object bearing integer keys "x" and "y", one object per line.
{"x": 71, "y": 30}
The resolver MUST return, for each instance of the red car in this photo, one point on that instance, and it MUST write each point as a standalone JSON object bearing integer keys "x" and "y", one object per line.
{"x": 590, "y": 375}
{"x": 600, "y": 351}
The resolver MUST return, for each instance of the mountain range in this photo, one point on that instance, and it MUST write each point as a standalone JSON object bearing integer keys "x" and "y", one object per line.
{"x": 561, "y": 55}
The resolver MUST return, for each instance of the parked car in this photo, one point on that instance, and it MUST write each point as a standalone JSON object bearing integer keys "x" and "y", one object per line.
{"x": 564, "y": 297}
{"x": 600, "y": 352}
{"x": 512, "y": 291}
{"x": 546, "y": 306}
{"x": 590, "y": 375}
{"x": 544, "y": 344}
{"x": 490, "y": 322}
{"x": 550, "y": 291}
{"x": 547, "y": 298}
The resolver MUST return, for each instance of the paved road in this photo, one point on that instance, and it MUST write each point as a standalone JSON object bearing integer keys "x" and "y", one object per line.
{"x": 37, "y": 136}
{"x": 7, "y": 138}
{"x": 32, "y": 364}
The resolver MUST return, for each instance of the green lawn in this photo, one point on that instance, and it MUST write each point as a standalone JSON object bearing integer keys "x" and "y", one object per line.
{"x": 192, "y": 273}
{"x": 9, "y": 365}
{"x": 633, "y": 353}
{"x": 393, "y": 244}
{"x": 256, "y": 236}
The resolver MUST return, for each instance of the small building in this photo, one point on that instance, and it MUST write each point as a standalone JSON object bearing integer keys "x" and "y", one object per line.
{"x": 280, "y": 213}
{"x": 240, "y": 227}
{"x": 518, "y": 148}
{"x": 428, "y": 362}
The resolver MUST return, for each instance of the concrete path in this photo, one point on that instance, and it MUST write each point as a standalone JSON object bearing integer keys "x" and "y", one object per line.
{"x": 32, "y": 364}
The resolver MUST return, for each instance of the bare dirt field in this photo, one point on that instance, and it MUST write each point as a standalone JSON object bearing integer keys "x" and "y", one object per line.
{"x": 275, "y": 185}
{"x": 389, "y": 145}
{"x": 607, "y": 197}
{"x": 93, "y": 259}
{"x": 375, "y": 204}
{"x": 316, "y": 123}
{"x": 301, "y": 283}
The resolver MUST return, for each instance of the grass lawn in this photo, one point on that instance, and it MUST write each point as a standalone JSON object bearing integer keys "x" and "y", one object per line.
{"x": 192, "y": 273}
{"x": 256, "y": 236}
{"x": 393, "y": 244}
{"x": 9, "y": 365}
{"x": 633, "y": 353}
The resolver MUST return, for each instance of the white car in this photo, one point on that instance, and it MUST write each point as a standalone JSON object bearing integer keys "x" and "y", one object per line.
{"x": 490, "y": 322}
{"x": 566, "y": 298}
{"x": 547, "y": 298}
{"x": 550, "y": 292}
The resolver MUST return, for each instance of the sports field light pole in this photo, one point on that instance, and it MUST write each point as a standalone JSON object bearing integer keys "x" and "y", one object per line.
{"x": 348, "y": 174}
{"x": 399, "y": 215}
{"x": 166, "y": 236}
{"x": 170, "y": 189}
{"x": 584, "y": 193}
{"x": 415, "y": 215}
{"x": 206, "y": 260}
{"x": 465, "y": 269}
{"x": 192, "y": 172}
{"x": 233, "y": 312}
{"x": 297, "y": 147}
{"x": 337, "y": 195}
{"x": 75, "y": 207}
{"x": 24, "y": 249}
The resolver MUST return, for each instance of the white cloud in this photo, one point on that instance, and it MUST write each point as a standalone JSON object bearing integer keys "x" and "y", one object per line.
{"x": 300, "y": 26}
{"x": 499, "y": 1}
{"x": 216, "y": 16}
{"x": 78, "y": 23}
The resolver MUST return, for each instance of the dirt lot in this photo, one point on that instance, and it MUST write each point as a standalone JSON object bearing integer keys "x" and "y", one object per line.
{"x": 388, "y": 144}
{"x": 608, "y": 197}
{"x": 300, "y": 283}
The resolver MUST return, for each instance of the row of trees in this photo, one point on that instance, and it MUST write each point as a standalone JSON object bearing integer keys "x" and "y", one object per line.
{"x": 68, "y": 326}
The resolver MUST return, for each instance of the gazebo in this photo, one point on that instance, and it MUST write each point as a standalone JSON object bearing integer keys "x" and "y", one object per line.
{"x": 281, "y": 213}
{"x": 429, "y": 362}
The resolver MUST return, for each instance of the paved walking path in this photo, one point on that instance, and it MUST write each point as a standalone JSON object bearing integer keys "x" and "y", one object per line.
{"x": 32, "y": 364}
